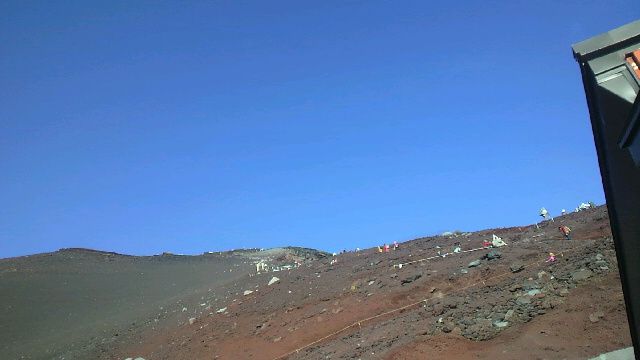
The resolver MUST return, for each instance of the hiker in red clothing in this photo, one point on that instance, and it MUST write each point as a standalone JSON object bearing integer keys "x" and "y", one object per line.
{"x": 565, "y": 230}
{"x": 386, "y": 248}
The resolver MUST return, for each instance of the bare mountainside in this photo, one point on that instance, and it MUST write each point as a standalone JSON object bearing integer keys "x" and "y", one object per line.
{"x": 79, "y": 303}
{"x": 500, "y": 303}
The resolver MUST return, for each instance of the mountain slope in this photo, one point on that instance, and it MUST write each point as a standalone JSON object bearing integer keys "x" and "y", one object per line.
{"x": 410, "y": 303}
{"x": 365, "y": 306}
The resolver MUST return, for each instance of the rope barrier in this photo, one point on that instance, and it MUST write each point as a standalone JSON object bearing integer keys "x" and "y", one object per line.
{"x": 426, "y": 300}
{"x": 400, "y": 265}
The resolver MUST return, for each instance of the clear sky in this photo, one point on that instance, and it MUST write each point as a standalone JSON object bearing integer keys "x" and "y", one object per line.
{"x": 148, "y": 126}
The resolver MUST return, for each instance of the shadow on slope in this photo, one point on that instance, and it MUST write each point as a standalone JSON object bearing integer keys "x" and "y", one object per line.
{"x": 76, "y": 302}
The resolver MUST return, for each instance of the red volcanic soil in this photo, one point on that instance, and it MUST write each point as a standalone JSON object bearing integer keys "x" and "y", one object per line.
{"x": 81, "y": 304}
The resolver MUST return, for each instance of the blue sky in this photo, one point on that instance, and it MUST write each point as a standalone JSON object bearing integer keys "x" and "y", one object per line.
{"x": 142, "y": 127}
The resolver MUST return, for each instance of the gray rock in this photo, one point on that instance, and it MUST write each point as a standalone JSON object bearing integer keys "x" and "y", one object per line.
{"x": 448, "y": 327}
{"x": 516, "y": 267}
{"x": 508, "y": 315}
{"x": 523, "y": 300}
{"x": 530, "y": 284}
{"x": 492, "y": 255}
{"x": 500, "y": 323}
{"x": 410, "y": 279}
{"x": 484, "y": 322}
{"x": 595, "y": 317}
{"x": 533, "y": 292}
{"x": 474, "y": 263}
{"x": 273, "y": 280}
{"x": 582, "y": 274}
{"x": 622, "y": 354}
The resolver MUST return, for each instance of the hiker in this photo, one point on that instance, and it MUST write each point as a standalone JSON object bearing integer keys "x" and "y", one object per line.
{"x": 379, "y": 249}
{"x": 565, "y": 230}
{"x": 487, "y": 244}
{"x": 261, "y": 266}
{"x": 386, "y": 248}
{"x": 551, "y": 258}
{"x": 457, "y": 248}
{"x": 544, "y": 213}
{"x": 564, "y": 212}
{"x": 395, "y": 245}
{"x": 496, "y": 241}
{"x": 592, "y": 205}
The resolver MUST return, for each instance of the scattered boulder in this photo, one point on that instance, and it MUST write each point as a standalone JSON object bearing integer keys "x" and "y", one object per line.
{"x": 595, "y": 317}
{"x": 492, "y": 255}
{"x": 474, "y": 263}
{"x": 273, "y": 280}
{"x": 582, "y": 274}
{"x": 516, "y": 267}
{"x": 247, "y": 292}
{"x": 515, "y": 287}
{"x": 508, "y": 315}
{"x": 448, "y": 327}
{"x": 530, "y": 284}
{"x": 523, "y": 300}
{"x": 411, "y": 278}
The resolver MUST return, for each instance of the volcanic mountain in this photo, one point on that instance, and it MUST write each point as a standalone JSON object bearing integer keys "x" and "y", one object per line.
{"x": 421, "y": 300}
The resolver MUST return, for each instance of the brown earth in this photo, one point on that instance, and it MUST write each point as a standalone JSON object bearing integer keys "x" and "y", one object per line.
{"x": 80, "y": 304}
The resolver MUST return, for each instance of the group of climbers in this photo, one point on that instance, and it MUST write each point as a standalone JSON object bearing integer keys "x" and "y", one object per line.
{"x": 386, "y": 247}
{"x": 495, "y": 240}
{"x": 583, "y": 206}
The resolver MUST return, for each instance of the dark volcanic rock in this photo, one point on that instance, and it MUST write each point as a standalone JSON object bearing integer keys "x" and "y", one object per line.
{"x": 492, "y": 255}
